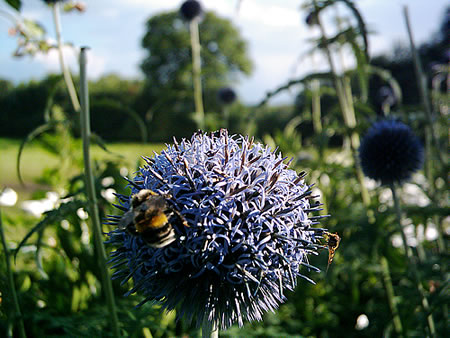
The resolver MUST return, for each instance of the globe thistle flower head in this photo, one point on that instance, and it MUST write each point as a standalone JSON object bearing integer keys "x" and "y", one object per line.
{"x": 247, "y": 236}
{"x": 390, "y": 152}
{"x": 190, "y": 10}
{"x": 311, "y": 19}
{"x": 51, "y": 2}
{"x": 226, "y": 95}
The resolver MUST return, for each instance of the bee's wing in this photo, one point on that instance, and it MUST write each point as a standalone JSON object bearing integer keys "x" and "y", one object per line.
{"x": 126, "y": 220}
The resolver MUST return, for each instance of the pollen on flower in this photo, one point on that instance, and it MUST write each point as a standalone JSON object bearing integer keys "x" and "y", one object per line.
{"x": 249, "y": 230}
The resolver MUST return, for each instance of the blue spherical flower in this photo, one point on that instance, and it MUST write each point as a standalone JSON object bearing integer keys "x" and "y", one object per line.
{"x": 226, "y": 95}
{"x": 53, "y": 1}
{"x": 190, "y": 9}
{"x": 311, "y": 19}
{"x": 390, "y": 152}
{"x": 246, "y": 235}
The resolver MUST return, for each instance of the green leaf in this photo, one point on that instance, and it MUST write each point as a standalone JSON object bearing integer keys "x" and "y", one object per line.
{"x": 16, "y": 4}
{"x": 139, "y": 121}
{"x": 33, "y": 29}
{"x": 96, "y": 139}
{"x": 386, "y": 75}
{"x": 51, "y": 217}
{"x": 361, "y": 69}
{"x": 361, "y": 24}
{"x": 36, "y": 132}
{"x": 291, "y": 83}
{"x": 38, "y": 256}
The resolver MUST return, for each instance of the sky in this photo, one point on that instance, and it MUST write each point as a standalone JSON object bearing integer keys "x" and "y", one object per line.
{"x": 278, "y": 39}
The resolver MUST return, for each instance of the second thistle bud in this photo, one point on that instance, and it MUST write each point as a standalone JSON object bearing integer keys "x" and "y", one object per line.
{"x": 190, "y": 10}
{"x": 311, "y": 19}
{"x": 226, "y": 95}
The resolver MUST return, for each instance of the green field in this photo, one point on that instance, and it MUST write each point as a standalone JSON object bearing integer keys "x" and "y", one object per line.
{"x": 35, "y": 159}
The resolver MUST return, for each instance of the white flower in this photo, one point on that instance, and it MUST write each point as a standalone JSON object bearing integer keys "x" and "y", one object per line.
{"x": 8, "y": 197}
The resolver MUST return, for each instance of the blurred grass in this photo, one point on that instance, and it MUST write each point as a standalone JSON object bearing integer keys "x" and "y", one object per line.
{"x": 35, "y": 159}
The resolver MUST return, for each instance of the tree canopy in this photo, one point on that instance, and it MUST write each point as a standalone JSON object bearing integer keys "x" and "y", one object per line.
{"x": 167, "y": 97}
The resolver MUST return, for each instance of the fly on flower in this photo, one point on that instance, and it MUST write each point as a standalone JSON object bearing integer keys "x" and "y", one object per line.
{"x": 151, "y": 218}
{"x": 333, "y": 241}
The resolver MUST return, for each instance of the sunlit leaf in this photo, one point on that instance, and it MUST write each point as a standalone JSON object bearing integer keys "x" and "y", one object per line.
{"x": 33, "y": 29}
{"x": 32, "y": 135}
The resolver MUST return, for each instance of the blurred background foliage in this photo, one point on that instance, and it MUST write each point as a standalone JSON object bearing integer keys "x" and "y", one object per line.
{"x": 55, "y": 270}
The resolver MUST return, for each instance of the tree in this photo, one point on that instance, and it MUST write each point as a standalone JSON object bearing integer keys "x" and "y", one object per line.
{"x": 167, "y": 97}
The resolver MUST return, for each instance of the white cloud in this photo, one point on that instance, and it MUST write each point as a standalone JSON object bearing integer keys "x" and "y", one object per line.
{"x": 110, "y": 13}
{"x": 269, "y": 15}
{"x": 150, "y": 4}
{"x": 96, "y": 63}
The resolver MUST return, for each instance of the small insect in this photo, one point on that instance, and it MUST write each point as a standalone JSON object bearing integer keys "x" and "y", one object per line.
{"x": 333, "y": 241}
{"x": 151, "y": 218}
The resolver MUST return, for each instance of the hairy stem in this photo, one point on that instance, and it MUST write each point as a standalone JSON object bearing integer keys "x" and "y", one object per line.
{"x": 90, "y": 188}
{"x": 67, "y": 77}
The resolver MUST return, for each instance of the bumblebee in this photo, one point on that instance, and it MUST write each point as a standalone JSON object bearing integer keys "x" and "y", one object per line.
{"x": 151, "y": 218}
{"x": 333, "y": 241}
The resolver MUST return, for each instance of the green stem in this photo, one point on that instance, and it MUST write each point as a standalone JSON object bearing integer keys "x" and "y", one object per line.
{"x": 421, "y": 81}
{"x": 210, "y": 330}
{"x": 316, "y": 116}
{"x": 316, "y": 111}
{"x": 412, "y": 262}
{"x": 10, "y": 17}
{"x": 67, "y": 77}
{"x": 391, "y": 296}
{"x": 11, "y": 285}
{"x": 90, "y": 188}
{"x": 344, "y": 93}
{"x": 226, "y": 117}
{"x": 429, "y": 172}
{"x": 196, "y": 70}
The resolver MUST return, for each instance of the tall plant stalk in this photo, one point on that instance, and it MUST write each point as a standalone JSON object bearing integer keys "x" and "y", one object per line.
{"x": 345, "y": 97}
{"x": 422, "y": 84}
{"x": 90, "y": 189}
{"x": 412, "y": 262}
{"x": 11, "y": 285}
{"x": 210, "y": 330}
{"x": 385, "y": 271}
{"x": 196, "y": 72}
{"x": 346, "y": 103}
{"x": 67, "y": 77}
{"x": 316, "y": 110}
